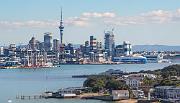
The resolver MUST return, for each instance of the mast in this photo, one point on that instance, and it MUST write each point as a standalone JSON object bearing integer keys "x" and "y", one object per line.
{"x": 61, "y": 28}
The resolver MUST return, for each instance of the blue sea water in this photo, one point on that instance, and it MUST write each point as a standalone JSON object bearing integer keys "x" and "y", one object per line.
{"x": 15, "y": 82}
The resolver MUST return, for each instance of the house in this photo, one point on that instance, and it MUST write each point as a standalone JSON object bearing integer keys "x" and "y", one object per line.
{"x": 120, "y": 94}
{"x": 133, "y": 82}
{"x": 171, "y": 93}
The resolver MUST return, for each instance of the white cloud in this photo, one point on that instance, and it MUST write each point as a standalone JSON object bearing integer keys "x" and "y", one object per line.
{"x": 109, "y": 18}
{"x": 157, "y": 16}
{"x": 99, "y": 15}
{"x": 77, "y": 21}
{"x": 30, "y": 23}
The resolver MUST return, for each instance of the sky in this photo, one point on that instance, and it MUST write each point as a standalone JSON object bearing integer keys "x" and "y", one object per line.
{"x": 141, "y": 22}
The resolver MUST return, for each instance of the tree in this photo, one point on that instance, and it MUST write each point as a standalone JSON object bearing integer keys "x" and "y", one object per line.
{"x": 101, "y": 82}
{"x": 95, "y": 82}
{"x": 116, "y": 85}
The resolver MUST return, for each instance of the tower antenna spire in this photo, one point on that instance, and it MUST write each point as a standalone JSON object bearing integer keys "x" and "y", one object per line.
{"x": 61, "y": 15}
{"x": 61, "y": 27}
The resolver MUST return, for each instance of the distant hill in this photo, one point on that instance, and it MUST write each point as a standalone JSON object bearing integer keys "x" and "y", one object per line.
{"x": 148, "y": 47}
{"x": 155, "y": 48}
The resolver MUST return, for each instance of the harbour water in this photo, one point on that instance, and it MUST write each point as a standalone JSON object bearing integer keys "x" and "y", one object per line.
{"x": 30, "y": 82}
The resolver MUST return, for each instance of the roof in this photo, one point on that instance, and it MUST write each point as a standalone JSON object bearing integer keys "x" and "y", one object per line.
{"x": 167, "y": 87}
{"x": 120, "y": 91}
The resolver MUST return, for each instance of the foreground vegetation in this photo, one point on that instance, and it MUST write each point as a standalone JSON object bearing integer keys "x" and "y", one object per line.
{"x": 168, "y": 76}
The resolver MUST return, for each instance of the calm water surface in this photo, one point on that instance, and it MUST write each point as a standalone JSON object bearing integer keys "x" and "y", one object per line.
{"x": 31, "y": 82}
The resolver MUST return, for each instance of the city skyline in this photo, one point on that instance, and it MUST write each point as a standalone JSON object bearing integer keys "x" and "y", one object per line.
{"x": 143, "y": 22}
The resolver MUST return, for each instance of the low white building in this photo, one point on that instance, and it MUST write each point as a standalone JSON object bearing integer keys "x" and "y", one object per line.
{"x": 138, "y": 93}
{"x": 120, "y": 94}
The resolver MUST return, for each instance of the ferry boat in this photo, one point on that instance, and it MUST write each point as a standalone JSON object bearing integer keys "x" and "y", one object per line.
{"x": 12, "y": 64}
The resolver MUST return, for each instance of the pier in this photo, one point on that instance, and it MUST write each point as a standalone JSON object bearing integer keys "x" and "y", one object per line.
{"x": 23, "y": 97}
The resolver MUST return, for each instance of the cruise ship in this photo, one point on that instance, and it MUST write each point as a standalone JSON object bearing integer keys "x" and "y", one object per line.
{"x": 130, "y": 59}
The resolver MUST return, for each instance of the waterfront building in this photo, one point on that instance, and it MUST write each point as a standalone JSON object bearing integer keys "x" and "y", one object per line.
{"x": 130, "y": 59}
{"x": 34, "y": 58}
{"x": 48, "y": 41}
{"x": 120, "y": 94}
{"x": 56, "y": 44}
{"x": 109, "y": 42}
{"x": 167, "y": 93}
{"x": 138, "y": 94}
{"x": 99, "y": 58}
{"x": 153, "y": 58}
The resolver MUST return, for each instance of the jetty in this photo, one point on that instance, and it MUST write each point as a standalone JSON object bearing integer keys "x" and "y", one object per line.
{"x": 23, "y": 97}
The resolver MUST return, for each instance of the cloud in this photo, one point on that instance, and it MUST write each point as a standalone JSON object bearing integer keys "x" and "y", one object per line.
{"x": 30, "y": 23}
{"x": 77, "y": 21}
{"x": 155, "y": 17}
{"x": 99, "y": 15}
{"x": 158, "y": 16}
{"x": 107, "y": 18}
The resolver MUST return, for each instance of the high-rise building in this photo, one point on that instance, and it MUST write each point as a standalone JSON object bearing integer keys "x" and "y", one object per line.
{"x": 1, "y": 50}
{"x": 127, "y": 48}
{"x": 99, "y": 45}
{"x": 86, "y": 43}
{"x": 86, "y": 48}
{"x": 56, "y": 45}
{"x": 123, "y": 50}
{"x": 109, "y": 42}
{"x": 48, "y": 41}
{"x": 12, "y": 47}
{"x": 32, "y": 43}
{"x": 93, "y": 44}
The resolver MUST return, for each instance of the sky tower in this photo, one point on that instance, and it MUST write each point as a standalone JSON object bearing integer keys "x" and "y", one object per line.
{"x": 61, "y": 27}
